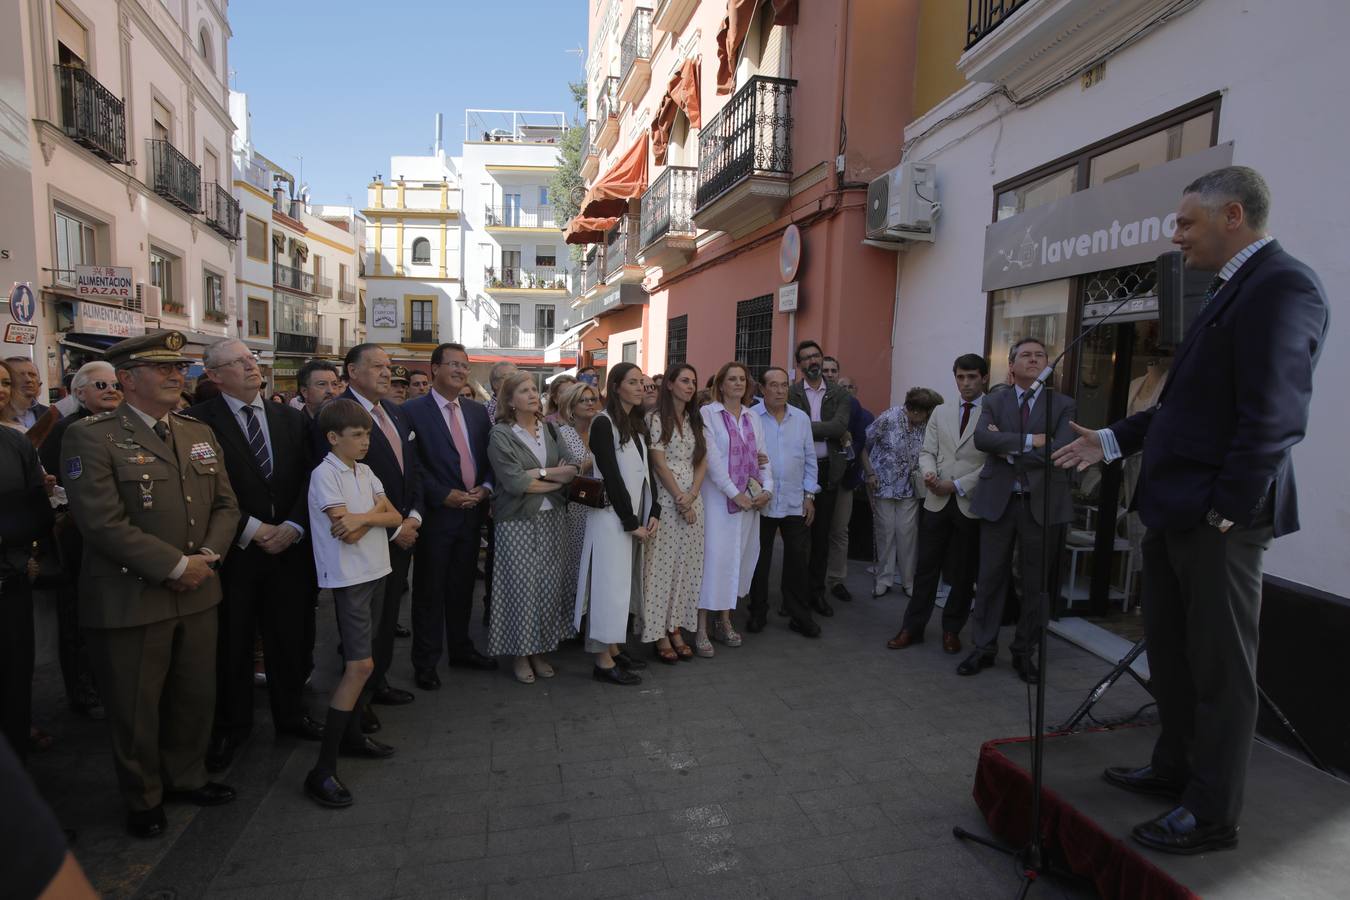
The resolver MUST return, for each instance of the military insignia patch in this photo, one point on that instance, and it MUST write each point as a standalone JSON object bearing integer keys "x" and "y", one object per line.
{"x": 174, "y": 341}
{"x": 74, "y": 468}
{"x": 202, "y": 451}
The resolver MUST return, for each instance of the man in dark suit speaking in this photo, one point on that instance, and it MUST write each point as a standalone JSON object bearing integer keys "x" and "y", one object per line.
{"x": 452, "y": 437}
{"x": 1216, "y": 487}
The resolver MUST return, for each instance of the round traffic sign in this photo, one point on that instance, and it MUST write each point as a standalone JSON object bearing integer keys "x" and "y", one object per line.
{"x": 21, "y": 302}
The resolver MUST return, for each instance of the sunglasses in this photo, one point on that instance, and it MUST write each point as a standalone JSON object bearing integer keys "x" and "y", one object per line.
{"x": 101, "y": 385}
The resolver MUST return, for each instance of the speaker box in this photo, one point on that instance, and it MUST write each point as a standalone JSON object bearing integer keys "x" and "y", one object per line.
{"x": 1181, "y": 294}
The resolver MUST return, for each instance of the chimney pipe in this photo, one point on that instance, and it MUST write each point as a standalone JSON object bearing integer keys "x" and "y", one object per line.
{"x": 437, "y": 151}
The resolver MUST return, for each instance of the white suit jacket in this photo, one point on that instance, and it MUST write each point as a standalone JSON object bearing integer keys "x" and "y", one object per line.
{"x": 952, "y": 455}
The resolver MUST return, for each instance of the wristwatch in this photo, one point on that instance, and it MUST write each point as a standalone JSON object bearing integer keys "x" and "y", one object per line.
{"x": 543, "y": 474}
{"x": 1215, "y": 518}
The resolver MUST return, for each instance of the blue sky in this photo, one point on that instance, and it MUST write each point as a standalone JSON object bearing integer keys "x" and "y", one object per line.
{"x": 348, "y": 84}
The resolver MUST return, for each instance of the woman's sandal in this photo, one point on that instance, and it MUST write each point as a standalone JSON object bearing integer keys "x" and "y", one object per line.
{"x": 683, "y": 650}
{"x": 524, "y": 675}
{"x": 667, "y": 655}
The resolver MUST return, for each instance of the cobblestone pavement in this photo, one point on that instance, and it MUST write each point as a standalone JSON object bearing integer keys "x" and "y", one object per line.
{"x": 782, "y": 768}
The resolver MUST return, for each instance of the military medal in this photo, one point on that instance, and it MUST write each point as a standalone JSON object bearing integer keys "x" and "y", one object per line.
{"x": 147, "y": 495}
{"x": 202, "y": 451}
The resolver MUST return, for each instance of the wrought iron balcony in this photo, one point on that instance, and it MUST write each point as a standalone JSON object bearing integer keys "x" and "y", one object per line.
{"x": 346, "y": 293}
{"x": 222, "y": 211}
{"x": 323, "y": 287}
{"x": 291, "y": 278}
{"x": 607, "y": 114}
{"x": 745, "y": 157}
{"x": 668, "y": 206}
{"x": 621, "y": 248}
{"x": 91, "y": 115}
{"x": 530, "y": 278}
{"x": 635, "y": 53}
{"x": 520, "y": 217}
{"x": 593, "y": 270}
{"x": 174, "y": 177}
{"x": 421, "y": 334}
{"x": 590, "y": 153}
{"x": 983, "y": 16}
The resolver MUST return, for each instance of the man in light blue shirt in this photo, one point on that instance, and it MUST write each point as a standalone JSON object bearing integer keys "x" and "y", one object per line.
{"x": 792, "y": 455}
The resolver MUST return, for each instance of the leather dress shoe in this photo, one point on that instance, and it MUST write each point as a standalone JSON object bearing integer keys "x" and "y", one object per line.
{"x": 615, "y": 675}
{"x": 366, "y": 748}
{"x": 325, "y": 789}
{"x": 1144, "y": 780}
{"x": 821, "y": 606}
{"x": 782, "y": 611}
{"x": 402, "y": 631}
{"x": 1026, "y": 669}
{"x": 427, "y": 679}
{"x": 755, "y": 624}
{"x": 392, "y": 696}
{"x": 905, "y": 638}
{"x": 147, "y": 823}
{"x": 951, "y": 642}
{"x": 220, "y": 752}
{"x": 473, "y": 660}
{"x": 1179, "y": 831}
{"x": 210, "y": 794}
{"x": 973, "y": 663}
{"x": 841, "y": 593}
{"x": 370, "y": 723}
{"x": 805, "y": 629}
{"x": 305, "y": 728}
{"x": 627, "y": 663}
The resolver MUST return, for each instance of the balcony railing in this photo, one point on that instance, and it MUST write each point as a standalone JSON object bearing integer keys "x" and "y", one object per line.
{"x": 983, "y": 16}
{"x": 91, "y": 115}
{"x": 174, "y": 177}
{"x": 637, "y": 40}
{"x": 222, "y": 211}
{"x": 323, "y": 287}
{"x": 543, "y": 278}
{"x": 258, "y": 175}
{"x": 593, "y": 270}
{"x": 621, "y": 245}
{"x": 294, "y": 279}
{"x": 512, "y": 337}
{"x": 520, "y": 217}
{"x": 668, "y": 205}
{"x": 607, "y": 103}
{"x": 588, "y": 147}
{"x": 751, "y": 135}
{"x": 421, "y": 334}
{"x": 346, "y": 293}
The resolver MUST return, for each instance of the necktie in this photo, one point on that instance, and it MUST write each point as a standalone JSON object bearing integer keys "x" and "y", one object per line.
{"x": 162, "y": 431}
{"x": 1215, "y": 286}
{"x": 965, "y": 416}
{"x": 466, "y": 468}
{"x": 257, "y": 443}
{"x": 390, "y": 433}
{"x": 1026, "y": 410}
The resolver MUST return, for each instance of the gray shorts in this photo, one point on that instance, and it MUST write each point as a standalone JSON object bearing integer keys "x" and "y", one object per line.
{"x": 357, "y": 608}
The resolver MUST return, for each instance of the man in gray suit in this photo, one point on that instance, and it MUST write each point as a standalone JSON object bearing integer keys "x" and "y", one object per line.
{"x": 1009, "y": 501}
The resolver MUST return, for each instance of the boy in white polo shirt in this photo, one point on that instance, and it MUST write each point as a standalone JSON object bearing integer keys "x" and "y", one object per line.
{"x": 348, "y": 515}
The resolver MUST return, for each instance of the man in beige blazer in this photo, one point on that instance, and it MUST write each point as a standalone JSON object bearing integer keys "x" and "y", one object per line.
{"x": 949, "y": 533}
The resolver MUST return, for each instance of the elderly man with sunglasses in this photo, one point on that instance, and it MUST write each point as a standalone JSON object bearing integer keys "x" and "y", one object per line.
{"x": 149, "y": 493}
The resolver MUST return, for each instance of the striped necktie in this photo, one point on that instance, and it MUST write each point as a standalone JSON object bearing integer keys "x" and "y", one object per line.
{"x": 257, "y": 443}
{"x": 1215, "y": 286}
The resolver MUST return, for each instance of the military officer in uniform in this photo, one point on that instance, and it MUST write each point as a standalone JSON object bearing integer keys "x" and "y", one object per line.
{"x": 148, "y": 490}
{"x": 399, "y": 379}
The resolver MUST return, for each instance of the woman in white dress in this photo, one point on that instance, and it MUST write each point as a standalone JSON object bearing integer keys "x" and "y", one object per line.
{"x": 738, "y": 485}
{"x": 609, "y": 585}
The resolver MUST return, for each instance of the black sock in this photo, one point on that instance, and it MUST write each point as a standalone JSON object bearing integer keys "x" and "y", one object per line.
{"x": 354, "y": 734}
{"x": 334, "y": 728}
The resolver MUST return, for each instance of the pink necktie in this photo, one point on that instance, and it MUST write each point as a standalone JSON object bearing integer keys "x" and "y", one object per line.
{"x": 390, "y": 433}
{"x": 466, "y": 467}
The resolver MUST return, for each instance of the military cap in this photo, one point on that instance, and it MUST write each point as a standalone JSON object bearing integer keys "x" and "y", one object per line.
{"x": 162, "y": 347}
{"x": 399, "y": 373}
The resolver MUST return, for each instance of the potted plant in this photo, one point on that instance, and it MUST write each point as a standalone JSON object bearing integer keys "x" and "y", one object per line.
{"x": 216, "y": 315}
{"x": 172, "y": 307}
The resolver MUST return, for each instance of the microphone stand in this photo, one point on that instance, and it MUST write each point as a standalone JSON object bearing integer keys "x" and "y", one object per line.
{"x": 1032, "y": 856}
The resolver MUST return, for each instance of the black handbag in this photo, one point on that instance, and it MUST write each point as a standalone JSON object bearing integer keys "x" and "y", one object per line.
{"x": 588, "y": 491}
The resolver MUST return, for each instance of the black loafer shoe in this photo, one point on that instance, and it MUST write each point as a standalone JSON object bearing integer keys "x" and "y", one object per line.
{"x": 627, "y": 663}
{"x": 220, "y": 753}
{"x": 755, "y": 625}
{"x": 973, "y": 663}
{"x": 402, "y": 631}
{"x": 306, "y": 729}
{"x": 782, "y": 611}
{"x": 1144, "y": 781}
{"x": 1180, "y": 832}
{"x": 147, "y": 823}
{"x": 1026, "y": 669}
{"x": 325, "y": 789}
{"x": 392, "y": 696}
{"x": 427, "y": 679}
{"x": 473, "y": 660}
{"x": 805, "y": 629}
{"x": 842, "y": 593}
{"x": 821, "y": 606}
{"x": 370, "y": 723}
{"x": 615, "y": 675}
{"x": 368, "y": 748}
{"x": 210, "y": 794}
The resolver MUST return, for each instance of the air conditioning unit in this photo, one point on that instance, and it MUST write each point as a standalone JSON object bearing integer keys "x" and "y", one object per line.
{"x": 902, "y": 204}
{"x": 148, "y": 297}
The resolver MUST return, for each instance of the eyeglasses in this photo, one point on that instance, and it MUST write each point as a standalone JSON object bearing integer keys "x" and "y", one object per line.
{"x": 165, "y": 368}
{"x": 588, "y": 400}
{"x": 649, "y": 388}
{"x": 247, "y": 362}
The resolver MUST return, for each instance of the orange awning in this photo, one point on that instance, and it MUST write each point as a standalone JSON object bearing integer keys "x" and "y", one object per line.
{"x": 682, "y": 94}
{"x": 584, "y": 230}
{"x": 625, "y": 180}
{"x": 735, "y": 26}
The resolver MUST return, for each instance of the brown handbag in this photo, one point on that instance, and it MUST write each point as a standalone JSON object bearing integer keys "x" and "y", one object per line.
{"x": 588, "y": 491}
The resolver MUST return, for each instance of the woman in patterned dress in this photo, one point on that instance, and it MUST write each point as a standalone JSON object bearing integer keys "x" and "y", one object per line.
{"x": 531, "y": 584}
{"x": 577, "y": 407}
{"x": 894, "y": 441}
{"x": 674, "y": 564}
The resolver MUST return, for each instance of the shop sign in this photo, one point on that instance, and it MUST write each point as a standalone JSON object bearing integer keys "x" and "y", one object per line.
{"x": 106, "y": 282}
{"x": 284, "y": 367}
{"x": 1123, "y": 222}
{"x": 384, "y": 312}
{"x": 114, "y": 321}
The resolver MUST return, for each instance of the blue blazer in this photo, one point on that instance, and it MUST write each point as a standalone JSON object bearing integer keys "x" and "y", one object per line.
{"x": 1235, "y": 402}
{"x": 402, "y": 487}
{"x": 438, "y": 462}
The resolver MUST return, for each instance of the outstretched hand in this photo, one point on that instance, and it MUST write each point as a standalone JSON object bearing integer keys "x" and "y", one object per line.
{"x": 1081, "y": 453}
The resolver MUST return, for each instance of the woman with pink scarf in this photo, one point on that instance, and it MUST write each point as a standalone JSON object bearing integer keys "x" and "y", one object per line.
{"x": 736, "y": 488}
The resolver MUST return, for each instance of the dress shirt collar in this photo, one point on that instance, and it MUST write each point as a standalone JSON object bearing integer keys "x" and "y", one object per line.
{"x": 1021, "y": 392}
{"x": 1231, "y": 267}
{"x": 442, "y": 401}
{"x": 763, "y": 410}
{"x": 148, "y": 419}
{"x": 974, "y": 404}
{"x": 236, "y": 404}
{"x": 820, "y": 391}
{"x": 368, "y": 405}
